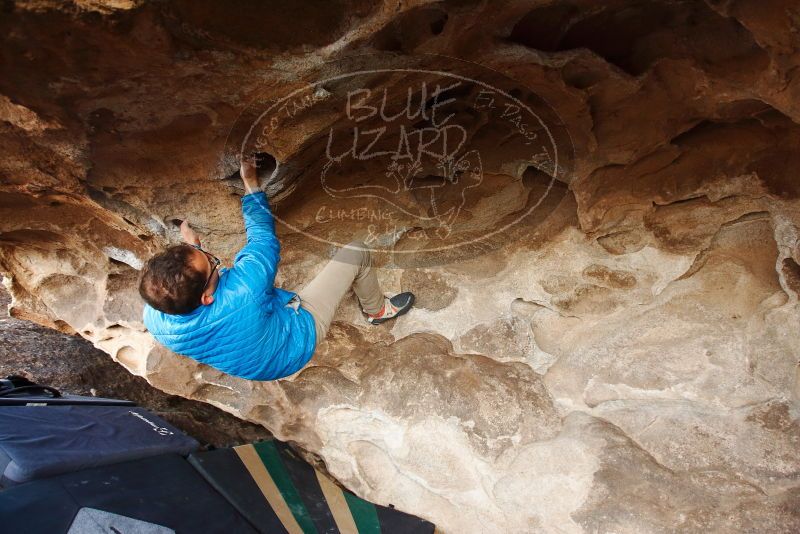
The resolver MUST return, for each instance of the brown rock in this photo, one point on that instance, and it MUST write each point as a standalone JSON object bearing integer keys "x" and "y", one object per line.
{"x": 623, "y": 258}
{"x": 430, "y": 290}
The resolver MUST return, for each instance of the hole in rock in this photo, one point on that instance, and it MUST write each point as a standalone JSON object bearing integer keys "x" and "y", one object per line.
{"x": 634, "y": 35}
{"x": 265, "y": 165}
{"x": 543, "y": 27}
{"x": 583, "y": 74}
{"x": 791, "y": 273}
{"x": 620, "y": 35}
{"x": 533, "y": 177}
{"x": 700, "y": 130}
{"x": 411, "y": 30}
{"x": 437, "y": 25}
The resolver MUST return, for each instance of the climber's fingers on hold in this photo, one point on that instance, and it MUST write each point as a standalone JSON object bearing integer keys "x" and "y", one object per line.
{"x": 248, "y": 159}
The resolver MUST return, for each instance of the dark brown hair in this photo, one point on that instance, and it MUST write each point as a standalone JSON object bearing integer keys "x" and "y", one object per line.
{"x": 170, "y": 283}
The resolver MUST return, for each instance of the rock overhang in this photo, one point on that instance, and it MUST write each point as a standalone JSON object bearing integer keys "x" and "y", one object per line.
{"x": 638, "y": 329}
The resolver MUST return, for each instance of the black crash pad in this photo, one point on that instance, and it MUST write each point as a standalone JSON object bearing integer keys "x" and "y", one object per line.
{"x": 154, "y": 495}
{"x": 41, "y": 441}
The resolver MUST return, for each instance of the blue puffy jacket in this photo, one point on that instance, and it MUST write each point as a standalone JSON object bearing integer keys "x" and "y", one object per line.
{"x": 248, "y": 330}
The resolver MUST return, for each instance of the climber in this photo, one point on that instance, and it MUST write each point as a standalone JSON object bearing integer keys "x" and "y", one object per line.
{"x": 234, "y": 319}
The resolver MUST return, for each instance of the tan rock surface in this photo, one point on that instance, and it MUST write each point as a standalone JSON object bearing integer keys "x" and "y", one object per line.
{"x": 624, "y": 359}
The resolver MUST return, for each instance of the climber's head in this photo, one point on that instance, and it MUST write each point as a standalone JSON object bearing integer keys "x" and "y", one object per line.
{"x": 179, "y": 279}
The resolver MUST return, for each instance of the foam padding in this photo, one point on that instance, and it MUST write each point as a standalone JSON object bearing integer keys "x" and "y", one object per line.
{"x": 266, "y": 482}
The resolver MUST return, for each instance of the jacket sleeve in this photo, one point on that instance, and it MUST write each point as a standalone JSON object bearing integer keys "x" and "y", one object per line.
{"x": 257, "y": 262}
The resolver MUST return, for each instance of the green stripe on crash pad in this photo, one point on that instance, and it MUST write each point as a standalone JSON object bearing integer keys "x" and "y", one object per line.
{"x": 364, "y": 514}
{"x": 271, "y": 459}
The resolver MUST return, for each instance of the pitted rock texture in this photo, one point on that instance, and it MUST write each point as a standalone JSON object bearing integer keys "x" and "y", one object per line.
{"x": 626, "y": 360}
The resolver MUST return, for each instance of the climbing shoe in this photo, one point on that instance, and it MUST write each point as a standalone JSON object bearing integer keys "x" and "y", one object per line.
{"x": 392, "y": 307}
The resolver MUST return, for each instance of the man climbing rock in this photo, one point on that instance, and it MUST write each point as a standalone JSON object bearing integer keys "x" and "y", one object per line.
{"x": 235, "y": 319}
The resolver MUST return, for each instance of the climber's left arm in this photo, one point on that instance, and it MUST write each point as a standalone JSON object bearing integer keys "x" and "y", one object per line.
{"x": 257, "y": 262}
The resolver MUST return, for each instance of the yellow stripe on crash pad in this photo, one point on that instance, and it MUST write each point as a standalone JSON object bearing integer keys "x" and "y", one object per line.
{"x": 337, "y": 504}
{"x": 249, "y": 457}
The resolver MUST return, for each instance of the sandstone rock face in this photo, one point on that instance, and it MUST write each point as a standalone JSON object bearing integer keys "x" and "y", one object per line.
{"x": 621, "y": 358}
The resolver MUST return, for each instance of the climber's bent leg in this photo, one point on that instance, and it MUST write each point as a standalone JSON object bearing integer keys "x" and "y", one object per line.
{"x": 352, "y": 265}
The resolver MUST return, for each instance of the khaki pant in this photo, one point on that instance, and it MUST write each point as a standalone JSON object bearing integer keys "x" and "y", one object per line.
{"x": 351, "y": 266}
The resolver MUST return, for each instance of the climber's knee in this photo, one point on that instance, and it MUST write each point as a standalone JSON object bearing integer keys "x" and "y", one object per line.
{"x": 355, "y": 252}
{"x": 359, "y": 245}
